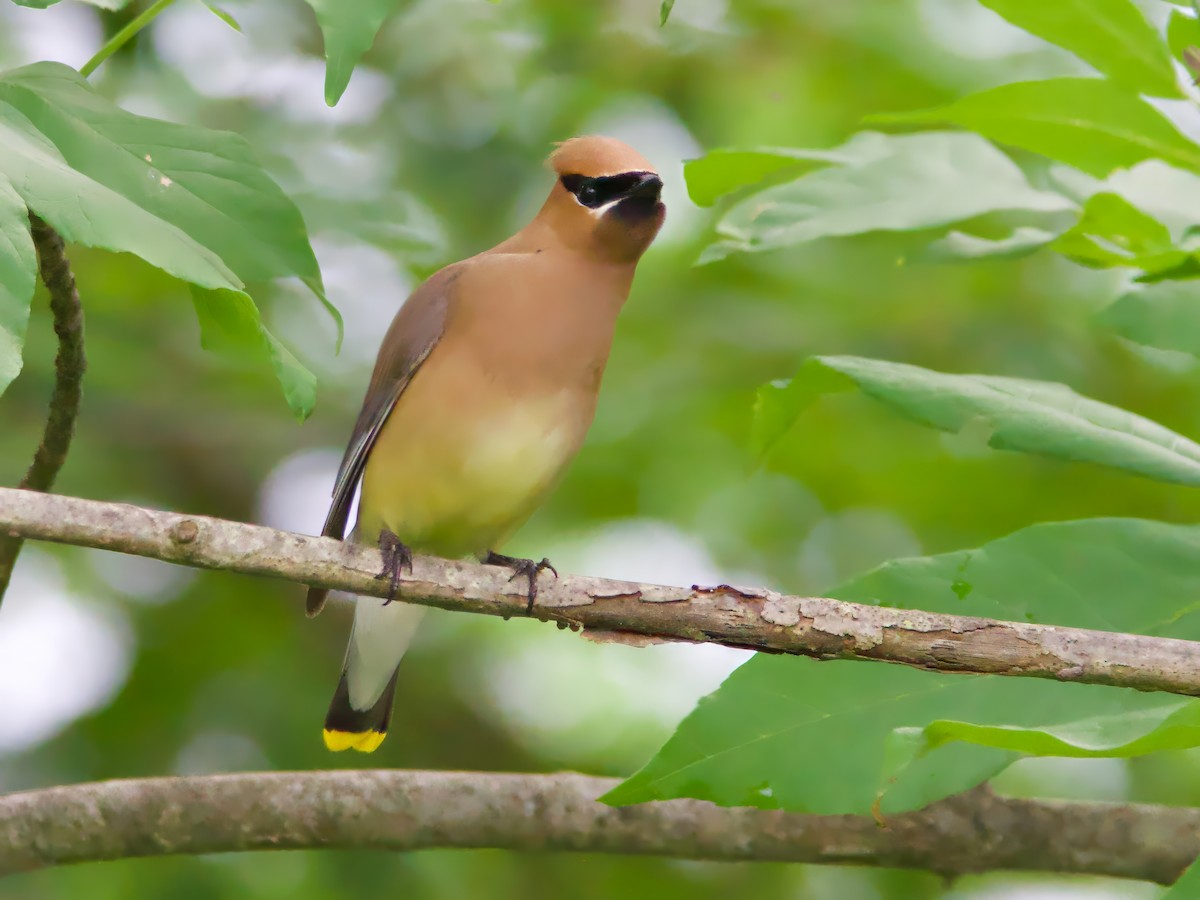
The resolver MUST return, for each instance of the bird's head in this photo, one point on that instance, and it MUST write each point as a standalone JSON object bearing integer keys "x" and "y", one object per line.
{"x": 607, "y": 201}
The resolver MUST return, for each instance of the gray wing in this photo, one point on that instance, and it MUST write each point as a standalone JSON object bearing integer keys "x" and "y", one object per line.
{"x": 410, "y": 339}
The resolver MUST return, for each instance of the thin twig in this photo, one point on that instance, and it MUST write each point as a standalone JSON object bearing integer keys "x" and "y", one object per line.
{"x": 625, "y": 611}
{"x": 124, "y": 36}
{"x": 69, "y": 366}
{"x": 415, "y": 810}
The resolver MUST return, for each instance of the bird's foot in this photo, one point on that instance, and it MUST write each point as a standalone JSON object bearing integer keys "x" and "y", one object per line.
{"x": 526, "y": 567}
{"x": 396, "y": 558}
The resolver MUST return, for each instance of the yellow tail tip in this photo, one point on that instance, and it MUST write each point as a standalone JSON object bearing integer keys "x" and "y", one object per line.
{"x": 363, "y": 741}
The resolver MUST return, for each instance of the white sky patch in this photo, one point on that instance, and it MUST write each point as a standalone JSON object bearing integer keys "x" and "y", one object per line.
{"x": 297, "y": 493}
{"x": 59, "y": 657}
{"x": 648, "y": 550}
{"x": 707, "y": 15}
{"x": 640, "y": 21}
{"x": 137, "y": 578}
{"x": 66, "y": 32}
{"x": 263, "y": 63}
{"x": 342, "y": 170}
{"x": 965, "y": 28}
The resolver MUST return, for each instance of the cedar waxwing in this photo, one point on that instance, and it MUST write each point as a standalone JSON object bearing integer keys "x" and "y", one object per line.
{"x": 483, "y": 390}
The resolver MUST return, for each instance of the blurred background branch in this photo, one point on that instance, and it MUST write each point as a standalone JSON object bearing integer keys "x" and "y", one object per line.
{"x": 622, "y": 611}
{"x": 417, "y": 810}
{"x": 69, "y": 365}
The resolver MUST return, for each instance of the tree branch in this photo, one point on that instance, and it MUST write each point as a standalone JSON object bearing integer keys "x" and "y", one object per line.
{"x": 69, "y": 365}
{"x": 414, "y": 810}
{"x": 621, "y": 610}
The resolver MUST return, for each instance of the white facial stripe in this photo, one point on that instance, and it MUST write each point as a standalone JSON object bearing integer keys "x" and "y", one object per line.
{"x": 598, "y": 211}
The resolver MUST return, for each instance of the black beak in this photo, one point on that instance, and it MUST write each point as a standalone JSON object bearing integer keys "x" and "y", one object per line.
{"x": 649, "y": 186}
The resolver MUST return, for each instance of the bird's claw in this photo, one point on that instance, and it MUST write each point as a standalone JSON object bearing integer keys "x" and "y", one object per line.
{"x": 525, "y": 567}
{"x": 396, "y": 558}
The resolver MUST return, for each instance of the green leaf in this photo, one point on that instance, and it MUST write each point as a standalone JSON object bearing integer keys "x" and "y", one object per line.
{"x": 960, "y": 247}
{"x": 208, "y": 183}
{"x": 1168, "y": 194}
{"x": 18, "y": 277}
{"x": 349, "y": 28}
{"x": 90, "y": 213}
{"x": 1187, "y": 887}
{"x": 725, "y": 170}
{"x": 1112, "y": 232}
{"x": 1183, "y": 31}
{"x": 1135, "y": 733}
{"x": 224, "y": 17}
{"x": 1090, "y": 123}
{"x": 1164, "y": 315}
{"x": 818, "y": 736}
{"x": 664, "y": 11}
{"x": 1173, "y": 727}
{"x": 230, "y": 324}
{"x": 193, "y": 202}
{"x": 1015, "y": 413}
{"x": 907, "y": 182}
{"x": 1110, "y": 35}
{"x": 1112, "y": 218}
{"x": 35, "y": 4}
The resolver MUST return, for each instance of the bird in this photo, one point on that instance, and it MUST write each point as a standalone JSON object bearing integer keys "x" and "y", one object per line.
{"x": 483, "y": 390}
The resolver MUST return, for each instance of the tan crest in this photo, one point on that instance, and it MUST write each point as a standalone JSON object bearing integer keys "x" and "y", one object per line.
{"x": 595, "y": 155}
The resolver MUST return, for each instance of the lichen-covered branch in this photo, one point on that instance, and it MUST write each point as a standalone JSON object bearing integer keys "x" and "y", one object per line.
{"x": 626, "y": 611}
{"x": 69, "y": 365}
{"x": 415, "y": 810}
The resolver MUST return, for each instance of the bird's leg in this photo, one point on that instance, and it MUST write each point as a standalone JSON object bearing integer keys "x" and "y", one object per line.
{"x": 396, "y": 558}
{"x": 526, "y": 567}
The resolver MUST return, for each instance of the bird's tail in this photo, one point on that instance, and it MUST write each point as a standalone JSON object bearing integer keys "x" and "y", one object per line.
{"x": 361, "y": 709}
{"x": 347, "y": 727}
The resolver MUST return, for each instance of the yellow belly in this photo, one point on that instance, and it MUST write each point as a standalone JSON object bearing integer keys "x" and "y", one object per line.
{"x": 458, "y": 481}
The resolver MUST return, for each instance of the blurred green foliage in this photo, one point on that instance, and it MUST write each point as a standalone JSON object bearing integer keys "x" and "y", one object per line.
{"x": 434, "y": 153}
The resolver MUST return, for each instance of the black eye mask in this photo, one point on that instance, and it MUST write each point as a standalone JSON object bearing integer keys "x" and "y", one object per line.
{"x": 595, "y": 192}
